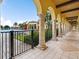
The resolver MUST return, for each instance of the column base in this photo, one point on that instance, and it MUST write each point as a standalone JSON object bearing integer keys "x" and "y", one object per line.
{"x": 59, "y": 38}
{"x": 55, "y": 39}
{"x": 63, "y": 33}
{"x": 43, "y": 47}
{"x": 60, "y": 35}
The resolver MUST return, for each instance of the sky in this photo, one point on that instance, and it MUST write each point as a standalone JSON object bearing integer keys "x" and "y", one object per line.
{"x": 17, "y": 11}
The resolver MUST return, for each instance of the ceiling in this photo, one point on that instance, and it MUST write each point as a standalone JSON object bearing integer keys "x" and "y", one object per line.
{"x": 72, "y": 20}
{"x": 69, "y": 9}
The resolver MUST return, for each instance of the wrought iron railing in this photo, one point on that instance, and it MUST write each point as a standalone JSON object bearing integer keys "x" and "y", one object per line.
{"x": 13, "y": 43}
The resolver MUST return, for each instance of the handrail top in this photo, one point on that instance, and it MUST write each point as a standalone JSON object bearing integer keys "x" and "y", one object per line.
{"x": 16, "y": 30}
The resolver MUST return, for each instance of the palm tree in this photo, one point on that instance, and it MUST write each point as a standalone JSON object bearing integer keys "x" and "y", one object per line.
{"x": 15, "y": 23}
{"x": 48, "y": 19}
{"x": 6, "y": 27}
{"x": 1, "y": 27}
{"x": 49, "y": 24}
{"x": 21, "y": 26}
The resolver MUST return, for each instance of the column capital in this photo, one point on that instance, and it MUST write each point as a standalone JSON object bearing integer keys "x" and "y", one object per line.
{"x": 54, "y": 20}
{"x": 41, "y": 15}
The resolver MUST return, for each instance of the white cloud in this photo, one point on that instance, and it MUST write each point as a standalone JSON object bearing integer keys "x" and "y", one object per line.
{"x": 22, "y": 21}
{"x": 6, "y": 22}
{"x": 10, "y": 22}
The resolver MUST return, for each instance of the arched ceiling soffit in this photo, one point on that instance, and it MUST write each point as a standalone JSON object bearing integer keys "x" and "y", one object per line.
{"x": 43, "y": 5}
{"x": 63, "y": 20}
{"x": 59, "y": 17}
{"x": 53, "y": 14}
{"x": 38, "y": 6}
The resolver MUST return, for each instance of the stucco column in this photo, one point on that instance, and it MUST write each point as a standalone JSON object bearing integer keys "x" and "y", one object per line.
{"x": 59, "y": 18}
{"x": 54, "y": 29}
{"x": 59, "y": 29}
{"x": 78, "y": 27}
{"x": 66, "y": 28}
{"x": 42, "y": 44}
{"x": 63, "y": 28}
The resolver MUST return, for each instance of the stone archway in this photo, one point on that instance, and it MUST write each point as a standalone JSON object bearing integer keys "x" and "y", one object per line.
{"x": 53, "y": 16}
{"x": 42, "y": 7}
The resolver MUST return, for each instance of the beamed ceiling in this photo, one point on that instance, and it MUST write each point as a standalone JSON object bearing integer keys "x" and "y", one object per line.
{"x": 72, "y": 20}
{"x": 68, "y": 8}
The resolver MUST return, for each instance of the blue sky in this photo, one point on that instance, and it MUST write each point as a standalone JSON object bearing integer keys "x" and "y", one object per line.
{"x": 18, "y": 11}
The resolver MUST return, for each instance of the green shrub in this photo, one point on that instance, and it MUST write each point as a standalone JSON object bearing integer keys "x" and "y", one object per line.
{"x": 28, "y": 40}
{"x": 48, "y": 34}
{"x": 20, "y": 37}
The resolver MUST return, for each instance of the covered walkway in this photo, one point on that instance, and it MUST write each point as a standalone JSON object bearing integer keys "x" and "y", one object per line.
{"x": 66, "y": 48}
{"x": 61, "y": 16}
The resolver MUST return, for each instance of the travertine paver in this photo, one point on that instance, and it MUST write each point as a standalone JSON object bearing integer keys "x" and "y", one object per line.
{"x": 65, "y": 48}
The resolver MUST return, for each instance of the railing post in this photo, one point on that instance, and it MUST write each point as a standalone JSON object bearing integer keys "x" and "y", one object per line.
{"x": 32, "y": 31}
{"x": 11, "y": 45}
